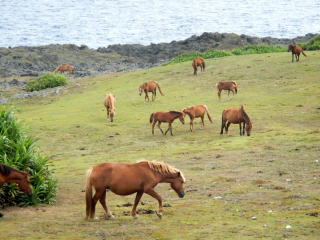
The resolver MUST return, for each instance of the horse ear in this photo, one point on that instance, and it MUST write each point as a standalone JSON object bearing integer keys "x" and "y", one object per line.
{"x": 241, "y": 107}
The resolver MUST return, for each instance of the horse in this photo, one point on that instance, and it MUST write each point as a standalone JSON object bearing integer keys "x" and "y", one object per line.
{"x": 126, "y": 179}
{"x": 296, "y": 50}
{"x": 196, "y": 112}
{"x": 12, "y": 175}
{"x": 198, "y": 62}
{"x": 110, "y": 105}
{"x": 150, "y": 86}
{"x": 229, "y": 86}
{"x": 168, "y": 117}
{"x": 236, "y": 116}
{"x": 64, "y": 68}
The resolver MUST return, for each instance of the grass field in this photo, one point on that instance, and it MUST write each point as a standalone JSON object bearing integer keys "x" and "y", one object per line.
{"x": 267, "y": 181}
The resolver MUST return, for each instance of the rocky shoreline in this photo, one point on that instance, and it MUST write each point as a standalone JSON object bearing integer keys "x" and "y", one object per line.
{"x": 32, "y": 61}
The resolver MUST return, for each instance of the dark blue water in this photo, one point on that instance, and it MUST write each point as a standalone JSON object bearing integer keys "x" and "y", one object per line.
{"x": 103, "y": 22}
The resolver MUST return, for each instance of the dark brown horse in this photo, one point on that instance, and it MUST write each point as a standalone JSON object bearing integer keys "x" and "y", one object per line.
{"x": 168, "y": 117}
{"x": 236, "y": 116}
{"x": 125, "y": 179}
{"x": 228, "y": 86}
{"x": 12, "y": 175}
{"x": 197, "y": 111}
{"x": 65, "y": 68}
{"x": 198, "y": 62}
{"x": 296, "y": 50}
{"x": 150, "y": 86}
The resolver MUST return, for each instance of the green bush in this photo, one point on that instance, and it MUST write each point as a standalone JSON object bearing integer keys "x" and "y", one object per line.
{"x": 48, "y": 80}
{"x": 312, "y": 44}
{"x": 258, "y": 49}
{"x": 19, "y": 151}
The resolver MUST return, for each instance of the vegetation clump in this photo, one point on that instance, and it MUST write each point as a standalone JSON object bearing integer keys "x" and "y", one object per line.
{"x": 48, "y": 80}
{"x": 18, "y": 150}
{"x": 313, "y": 44}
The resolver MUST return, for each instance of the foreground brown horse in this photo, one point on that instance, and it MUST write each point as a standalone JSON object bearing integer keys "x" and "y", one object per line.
{"x": 65, "y": 68}
{"x": 168, "y": 117}
{"x": 125, "y": 179}
{"x": 236, "y": 116}
{"x": 229, "y": 86}
{"x": 197, "y": 111}
{"x": 150, "y": 86}
{"x": 296, "y": 50}
{"x": 12, "y": 175}
{"x": 110, "y": 105}
{"x": 198, "y": 62}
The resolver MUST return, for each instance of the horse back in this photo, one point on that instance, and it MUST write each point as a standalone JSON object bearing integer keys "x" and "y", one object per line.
{"x": 232, "y": 115}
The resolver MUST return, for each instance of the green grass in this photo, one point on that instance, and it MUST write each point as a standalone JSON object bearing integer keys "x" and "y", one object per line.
{"x": 313, "y": 44}
{"x": 273, "y": 169}
{"x": 48, "y": 80}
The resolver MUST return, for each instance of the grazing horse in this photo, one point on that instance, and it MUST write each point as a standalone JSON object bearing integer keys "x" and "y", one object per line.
{"x": 64, "y": 68}
{"x": 296, "y": 50}
{"x": 110, "y": 105}
{"x": 12, "y": 175}
{"x": 150, "y": 86}
{"x": 125, "y": 179}
{"x": 236, "y": 116}
{"x": 196, "y": 112}
{"x": 198, "y": 62}
{"x": 168, "y": 117}
{"x": 229, "y": 86}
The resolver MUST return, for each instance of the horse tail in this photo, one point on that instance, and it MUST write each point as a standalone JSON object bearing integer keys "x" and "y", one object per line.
{"x": 203, "y": 65}
{"x": 88, "y": 190}
{"x": 151, "y": 118}
{"x": 303, "y": 53}
{"x": 158, "y": 85}
{"x": 207, "y": 111}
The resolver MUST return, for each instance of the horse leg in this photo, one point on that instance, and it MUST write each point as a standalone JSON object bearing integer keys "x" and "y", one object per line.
{"x": 94, "y": 200}
{"x": 153, "y": 124}
{"x": 292, "y": 56}
{"x": 169, "y": 128}
{"x": 240, "y": 129}
{"x": 244, "y": 124}
{"x": 159, "y": 123}
{"x": 298, "y": 57}
{"x": 155, "y": 195}
{"x": 191, "y": 124}
{"x": 136, "y": 202}
{"x": 108, "y": 215}
{"x": 227, "y": 127}
{"x": 170, "y": 124}
{"x": 202, "y": 121}
{"x": 219, "y": 94}
{"x": 223, "y": 123}
{"x": 228, "y": 93}
{"x": 154, "y": 94}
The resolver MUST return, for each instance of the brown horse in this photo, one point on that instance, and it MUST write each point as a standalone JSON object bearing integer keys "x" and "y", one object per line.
{"x": 125, "y": 179}
{"x": 12, "y": 175}
{"x": 64, "y": 68}
{"x": 229, "y": 86}
{"x": 296, "y": 50}
{"x": 168, "y": 117}
{"x": 150, "y": 86}
{"x": 198, "y": 62}
{"x": 236, "y": 116}
{"x": 110, "y": 105}
{"x": 196, "y": 112}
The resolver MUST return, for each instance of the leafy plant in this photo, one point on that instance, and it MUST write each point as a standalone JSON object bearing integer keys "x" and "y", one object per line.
{"x": 19, "y": 151}
{"x": 48, "y": 80}
{"x": 312, "y": 44}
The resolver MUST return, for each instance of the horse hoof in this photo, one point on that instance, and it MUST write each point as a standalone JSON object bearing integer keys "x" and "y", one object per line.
{"x": 135, "y": 217}
{"x": 159, "y": 215}
{"x": 109, "y": 216}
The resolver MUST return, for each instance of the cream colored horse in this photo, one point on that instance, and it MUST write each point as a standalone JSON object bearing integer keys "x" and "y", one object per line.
{"x": 110, "y": 104}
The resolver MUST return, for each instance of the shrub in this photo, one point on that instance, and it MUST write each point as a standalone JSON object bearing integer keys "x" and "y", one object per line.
{"x": 258, "y": 49}
{"x": 19, "y": 151}
{"x": 48, "y": 80}
{"x": 312, "y": 44}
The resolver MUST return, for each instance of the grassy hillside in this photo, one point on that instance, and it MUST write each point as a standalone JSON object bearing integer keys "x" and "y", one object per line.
{"x": 267, "y": 181}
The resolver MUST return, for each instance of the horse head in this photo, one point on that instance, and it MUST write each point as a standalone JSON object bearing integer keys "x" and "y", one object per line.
{"x": 177, "y": 184}
{"x": 290, "y": 47}
{"x": 24, "y": 183}
{"x": 248, "y": 128}
{"x": 181, "y": 117}
{"x": 140, "y": 90}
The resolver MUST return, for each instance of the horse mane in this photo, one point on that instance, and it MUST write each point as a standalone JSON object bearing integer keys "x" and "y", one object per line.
{"x": 5, "y": 170}
{"x": 245, "y": 115}
{"x": 163, "y": 168}
{"x": 175, "y": 112}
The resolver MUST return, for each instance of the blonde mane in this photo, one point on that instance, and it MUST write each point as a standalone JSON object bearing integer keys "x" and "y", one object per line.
{"x": 164, "y": 168}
